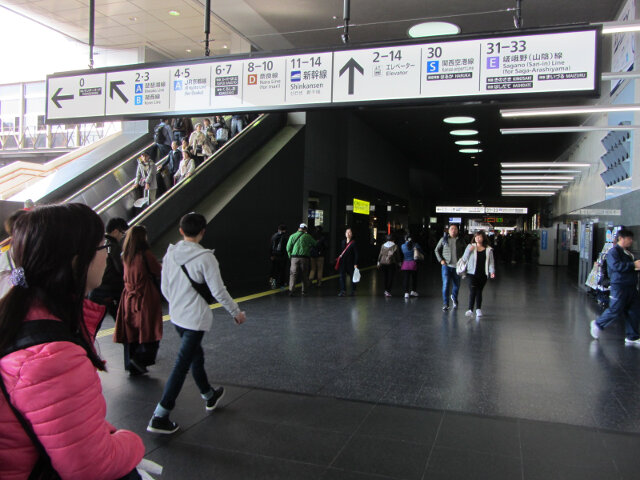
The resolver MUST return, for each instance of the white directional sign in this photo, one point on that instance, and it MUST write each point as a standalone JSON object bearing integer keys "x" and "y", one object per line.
{"x": 522, "y": 210}
{"x": 378, "y": 73}
{"x": 472, "y": 209}
{"x": 515, "y": 63}
{"x": 138, "y": 92}
{"x": 77, "y": 96}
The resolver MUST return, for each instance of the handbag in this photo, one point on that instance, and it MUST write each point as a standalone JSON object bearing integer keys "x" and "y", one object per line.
{"x": 222, "y": 134}
{"x": 201, "y": 288}
{"x": 461, "y": 267}
{"x": 356, "y": 275}
{"x": 417, "y": 254}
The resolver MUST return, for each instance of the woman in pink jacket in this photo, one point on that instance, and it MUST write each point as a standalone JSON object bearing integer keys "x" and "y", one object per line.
{"x": 59, "y": 256}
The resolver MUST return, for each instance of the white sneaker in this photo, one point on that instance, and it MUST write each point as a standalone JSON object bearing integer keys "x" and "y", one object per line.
{"x": 387, "y": 294}
{"x": 595, "y": 330}
{"x": 635, "y": 343}
{"x": 478, "y": 312}
{"x": 468, "y": 313}
{"x": 406, "y": 295}
{"x": 414, "y": 293}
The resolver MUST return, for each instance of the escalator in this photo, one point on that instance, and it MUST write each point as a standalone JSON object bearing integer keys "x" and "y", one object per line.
{"x": 165, "y": 212}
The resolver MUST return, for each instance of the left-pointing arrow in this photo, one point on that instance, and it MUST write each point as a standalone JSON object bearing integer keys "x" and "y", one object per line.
{"x": 114, "y": 88}
{"x": 57, "y": 97}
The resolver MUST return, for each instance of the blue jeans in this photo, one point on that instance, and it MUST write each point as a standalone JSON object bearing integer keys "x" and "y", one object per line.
{"x": 624, "y": 302}
{"x": 190, "y": 355}
{"x": 449, "y": 276}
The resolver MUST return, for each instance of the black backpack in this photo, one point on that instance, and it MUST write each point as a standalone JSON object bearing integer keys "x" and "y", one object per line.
{"x": 278, "y": 244}
{"x": 158, "y": 134}
{"x": 604, "y": 280}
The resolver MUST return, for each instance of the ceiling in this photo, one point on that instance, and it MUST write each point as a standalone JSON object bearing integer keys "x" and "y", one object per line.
{"x": 284, "y": 24}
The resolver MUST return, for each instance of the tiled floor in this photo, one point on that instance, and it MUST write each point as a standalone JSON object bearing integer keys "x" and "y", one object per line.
{"x": 367, "y": 387}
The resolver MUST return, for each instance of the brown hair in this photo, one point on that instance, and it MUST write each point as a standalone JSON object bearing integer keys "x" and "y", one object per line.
{"x": 485, "y": 239}
{"x": 134, "y": 242}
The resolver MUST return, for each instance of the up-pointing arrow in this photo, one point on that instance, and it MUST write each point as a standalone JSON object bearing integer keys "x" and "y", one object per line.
{"x": 351, "y": 65}
{"x": 114, "y": 88}
{"x": 57, "y": 98}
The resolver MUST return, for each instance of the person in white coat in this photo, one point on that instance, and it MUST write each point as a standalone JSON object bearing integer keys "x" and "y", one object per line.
{"x": 480, "y": 265}
{"x": 185, "y": 266}
{"x": 146, "y": 176}
{"x": 186, "y": 168}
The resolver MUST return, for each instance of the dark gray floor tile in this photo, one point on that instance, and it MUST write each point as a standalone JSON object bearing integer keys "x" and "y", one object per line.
{"x": 555, "y": 444}
{"x": 454, "y": 464}
{"x": 623, "y": 450}
{"x": 393, "y": 458}
{"x": 541, "y": 471}
{"x": 195, "y": 462}
{"x": 335, "y": 474}
{"x": 303, "y": 444}
{"x": 328, "y": 413}
{"x": 479, "y": 434}
{"x": 412, "y": 425}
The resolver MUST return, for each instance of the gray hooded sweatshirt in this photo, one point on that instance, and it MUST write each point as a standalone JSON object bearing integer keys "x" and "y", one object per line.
{"x": 186, "y": 306}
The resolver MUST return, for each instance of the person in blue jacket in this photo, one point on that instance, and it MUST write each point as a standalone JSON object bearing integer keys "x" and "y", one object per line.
{"x": 624, "y": 301}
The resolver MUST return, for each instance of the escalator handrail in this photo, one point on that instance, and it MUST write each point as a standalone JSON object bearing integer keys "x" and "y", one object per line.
{"x": 123, "y": 191}
{"x": 91, "y": 184}
{"x": 172, "y": 191}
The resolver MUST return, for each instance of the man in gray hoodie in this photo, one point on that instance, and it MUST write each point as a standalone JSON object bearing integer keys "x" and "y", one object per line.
{"x": 187, "y": 265}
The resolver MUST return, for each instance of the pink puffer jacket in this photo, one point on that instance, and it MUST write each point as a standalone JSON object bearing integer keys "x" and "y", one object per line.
{"x": 57, "y": 389}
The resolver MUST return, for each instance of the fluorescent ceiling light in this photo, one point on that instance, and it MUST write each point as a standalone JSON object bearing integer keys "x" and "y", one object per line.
{"x": 470, "y": 150}
{"x": 532, "y": 187}
{"x": 582, "y": 128}
{"x": 543, "y": 164}
{"x": 619, "y": 27}
{"x": 579, "y": 110}
{"x": 174, "y": 13}
{"x": 528, "y": 194}
{"x": 459, "y": 120}
{"x": 433, "y": 29}
{"x": 537, "y": 177}
{"x": 535, "y": 181}
{"x": 463, "y": 132}
{"x": 467, "y": 142}
{"x": 539, "y": 171}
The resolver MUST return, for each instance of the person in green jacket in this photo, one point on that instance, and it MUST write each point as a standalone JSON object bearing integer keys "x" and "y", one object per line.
{"x": 299, "y": 251}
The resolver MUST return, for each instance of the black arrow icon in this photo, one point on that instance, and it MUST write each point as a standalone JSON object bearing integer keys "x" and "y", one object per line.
{"x": 114, "y": 88}
{"x": 57, "y": 97}
{"x": 351, "y": 65}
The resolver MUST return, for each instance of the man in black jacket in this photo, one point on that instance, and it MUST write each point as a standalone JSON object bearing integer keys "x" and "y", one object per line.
{"x": 624, "y": 301}
{"x": 278, "y": 256}
{"x": 110, "y": 290}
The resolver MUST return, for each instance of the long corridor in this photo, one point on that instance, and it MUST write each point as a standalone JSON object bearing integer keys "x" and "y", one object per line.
{"x": 372, "y": 387}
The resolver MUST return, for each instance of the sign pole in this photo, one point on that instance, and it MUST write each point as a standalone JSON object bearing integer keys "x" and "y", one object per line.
{"x": 92, "y": 23}
{"x": 207, "y": 26}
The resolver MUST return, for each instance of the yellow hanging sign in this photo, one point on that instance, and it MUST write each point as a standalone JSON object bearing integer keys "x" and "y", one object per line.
{"x": 361, "y": 206}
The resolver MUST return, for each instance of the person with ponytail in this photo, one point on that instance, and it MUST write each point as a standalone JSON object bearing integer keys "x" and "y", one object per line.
{"x": 52, "y": 411}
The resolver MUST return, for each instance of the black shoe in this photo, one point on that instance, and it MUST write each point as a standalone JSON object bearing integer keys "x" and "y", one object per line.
{"x": 445, "y": 308}
{"x": 341, "y": 294}
{"x": 352, "y": 294}
{"x": 135, "y": 369}
{"x": 212, "y": 403}
{"x": 162, "y": 425}
{"x": 291, "y": 293}
{"x": 304, "y": 294}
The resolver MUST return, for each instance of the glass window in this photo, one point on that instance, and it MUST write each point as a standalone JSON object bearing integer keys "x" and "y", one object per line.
{"x": 10, "y": 91}
{"x": 34, "y": 105}
{"x": 9, "y": 108}
{"x": 34, "y": 90}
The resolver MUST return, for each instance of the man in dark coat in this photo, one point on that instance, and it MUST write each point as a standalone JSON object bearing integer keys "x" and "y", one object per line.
{"x": 110, "y": 290}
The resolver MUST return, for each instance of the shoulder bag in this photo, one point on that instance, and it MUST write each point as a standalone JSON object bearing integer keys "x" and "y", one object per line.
{"x": 337, "y": 266}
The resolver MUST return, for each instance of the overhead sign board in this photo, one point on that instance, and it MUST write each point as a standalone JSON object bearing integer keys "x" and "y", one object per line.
{"x": 361, "y": 206}
{"x": 474, "y": 209}
{"x": 522, "y": 63}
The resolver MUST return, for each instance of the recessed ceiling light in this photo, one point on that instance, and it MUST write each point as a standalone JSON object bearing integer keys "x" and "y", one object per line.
{"x": 463, "y": 132}
{"x": 335, "y": 17}
{"x": 467, "y": 142}
{"x": 174, "y": 13}
{"x": 475, "y": 164}
{"x": 188, "y": 50}
{"x": 458, "y": 120}
{"x": 133, "y": 19}
{"x": 224, "y": 46}
{"x": 470, "y": 150}
{"x": 433, "y": 29}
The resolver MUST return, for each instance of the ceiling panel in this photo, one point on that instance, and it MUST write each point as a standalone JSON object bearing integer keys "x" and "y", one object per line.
{"x": 118, "y": 8}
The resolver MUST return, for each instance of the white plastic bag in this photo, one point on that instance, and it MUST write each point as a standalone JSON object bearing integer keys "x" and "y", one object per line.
{"x": 148, "y": 467}
{"x": 356, "y": 276}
